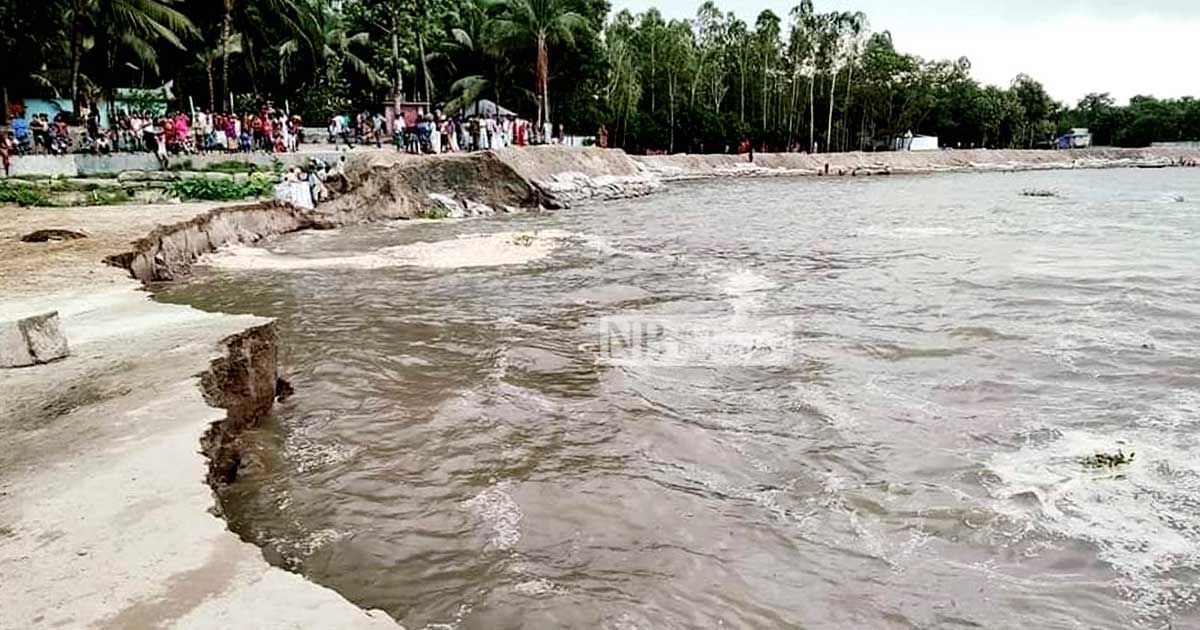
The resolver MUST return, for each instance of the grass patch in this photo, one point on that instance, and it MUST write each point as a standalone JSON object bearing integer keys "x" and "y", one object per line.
{"x": 23, "y": 195}
{"x": 108, "y": 196}
{"x": 259, "y": 185}
{"x": 234, "y": 167}
{"x": 436, "y": 213}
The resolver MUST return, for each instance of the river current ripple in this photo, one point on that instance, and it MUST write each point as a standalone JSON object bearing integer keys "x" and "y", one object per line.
{"x": 803, "y": 403}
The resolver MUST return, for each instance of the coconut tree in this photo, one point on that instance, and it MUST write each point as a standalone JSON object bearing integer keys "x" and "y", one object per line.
{"x": 471, "y": 52}
{"x": 247, "y": 25}
{"x": 135, "y": 26}
{"x": 231, "y": 45}
{"x": 540, "y": 23}
{"x": 327, "y": 44}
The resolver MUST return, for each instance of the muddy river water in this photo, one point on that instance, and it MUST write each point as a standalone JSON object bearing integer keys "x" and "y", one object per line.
{"x": 802, "y": 403}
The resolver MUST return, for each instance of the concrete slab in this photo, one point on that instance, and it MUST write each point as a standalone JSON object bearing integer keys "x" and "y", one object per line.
{"x": 31, "y": 340}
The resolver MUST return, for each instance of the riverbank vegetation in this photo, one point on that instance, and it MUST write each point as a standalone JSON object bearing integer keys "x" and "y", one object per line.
{"x": 803, "y": 80}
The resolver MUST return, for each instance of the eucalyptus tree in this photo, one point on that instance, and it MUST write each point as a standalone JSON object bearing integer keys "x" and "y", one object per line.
{"x": 802, "y": 46}
{"x": 651, "y": 30}
{"x": 855, "y": 32}
{"x": 766, "y": 52}
{"x": 623, "y": 89}
{"x": 740, "y": 54}
{"x": 712, "y": 38}
{"x": 679, "y": 59}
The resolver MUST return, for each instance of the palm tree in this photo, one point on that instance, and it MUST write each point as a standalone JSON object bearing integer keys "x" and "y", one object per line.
{"x": 133, "y": 25}
{"x": 542, "y": 23}
{"x": 249, "y": 17}
{"x": 472, "y": 51}
{"x": 229, "y": 45}
{"x": 327, "y": 44}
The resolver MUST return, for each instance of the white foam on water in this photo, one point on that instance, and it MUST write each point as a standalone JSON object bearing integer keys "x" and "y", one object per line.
{"x": 744, "y": 282}
{"x": 309, "y": 448}
{"x": 459, "y": 615}
{"x": 537, "y": 587}
{"x": 472, "y": 250}
{"x": 1140, "y": 516}
{"x": 501, "y": 514}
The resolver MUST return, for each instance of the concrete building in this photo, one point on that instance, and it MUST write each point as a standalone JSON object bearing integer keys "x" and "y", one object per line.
{"x": 909, "y": 142}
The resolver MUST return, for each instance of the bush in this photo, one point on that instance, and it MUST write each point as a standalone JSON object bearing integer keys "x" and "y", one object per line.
{"x": 232, "y": 166}
{"x": 108, "y": 196}
{"x": 223, "y": 190}
{"x": 435, "y": 212}
{"x": 23, "y": 195}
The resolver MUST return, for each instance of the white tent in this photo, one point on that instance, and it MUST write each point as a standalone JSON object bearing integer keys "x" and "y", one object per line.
{"x": 484, "y": 107}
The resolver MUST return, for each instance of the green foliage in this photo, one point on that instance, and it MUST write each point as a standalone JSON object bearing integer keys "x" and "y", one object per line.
{"x": 436, "y": 213}
{"x": 23, "y": 194}
{"x": 784, "y": 81}
{"x": 1108, "y": 460}
{"x": 258, "y": 186}
{"x": 108, "y": 196}
{"x": 233, "y": 166}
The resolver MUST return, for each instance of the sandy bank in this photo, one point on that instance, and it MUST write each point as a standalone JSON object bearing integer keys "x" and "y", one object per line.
{"x": 701, "y": 166}
{"x": 105, "y": 519}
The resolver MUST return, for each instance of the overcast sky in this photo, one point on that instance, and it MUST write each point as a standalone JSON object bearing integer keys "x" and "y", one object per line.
{"x": 1126, "y": 47}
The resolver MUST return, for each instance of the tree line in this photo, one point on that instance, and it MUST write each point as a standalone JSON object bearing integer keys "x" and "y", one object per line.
{"x": 807, "y": 80}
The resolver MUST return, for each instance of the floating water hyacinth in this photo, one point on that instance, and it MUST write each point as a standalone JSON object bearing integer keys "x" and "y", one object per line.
{"x": 1108, "y": 460}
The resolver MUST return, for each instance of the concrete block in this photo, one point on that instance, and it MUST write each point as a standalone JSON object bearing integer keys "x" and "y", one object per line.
{"x": 32, "y": 340}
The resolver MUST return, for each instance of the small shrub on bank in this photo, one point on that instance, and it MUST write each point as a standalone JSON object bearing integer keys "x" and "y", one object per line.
{"x": 222, "y": 190}
{"x": 23, "y": 195}
{"x": 437, "y": 213}
{"x": 232, "y": 166}
{"x": 108, "y": 196}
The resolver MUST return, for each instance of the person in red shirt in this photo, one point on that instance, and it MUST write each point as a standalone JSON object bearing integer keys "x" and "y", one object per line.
{"x": 268, "y": 131}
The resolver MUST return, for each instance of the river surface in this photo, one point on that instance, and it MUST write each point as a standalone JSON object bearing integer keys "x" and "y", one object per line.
{"x": 802, "y": 403}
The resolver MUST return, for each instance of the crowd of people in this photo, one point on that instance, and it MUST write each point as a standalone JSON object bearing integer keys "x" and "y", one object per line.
{"x": 269, "y": 130}
{"x": 437, "y": 133}
{"x": 171, "y": 133}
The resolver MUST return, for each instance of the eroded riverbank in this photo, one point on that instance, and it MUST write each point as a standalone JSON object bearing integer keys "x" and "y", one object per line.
{"x": 105, "y": 513}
